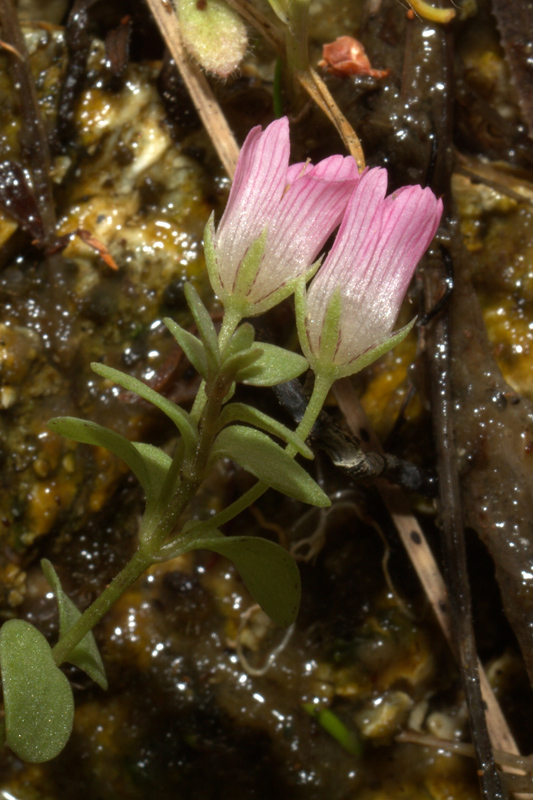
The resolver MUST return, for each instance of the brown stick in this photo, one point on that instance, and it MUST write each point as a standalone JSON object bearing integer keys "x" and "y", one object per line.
{"x": 422, "y": 559}
{"x": 201, "y": 93}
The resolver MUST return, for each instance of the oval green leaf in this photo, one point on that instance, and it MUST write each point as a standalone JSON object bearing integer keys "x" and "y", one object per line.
{"x": 269, "y": 572}
{"x": 265, "y": 459}
{"x": 243, "y": 413}
{"x": 274, "y": 365}
{"x": 38, "y": 701}
{"x": 142, "y": 462}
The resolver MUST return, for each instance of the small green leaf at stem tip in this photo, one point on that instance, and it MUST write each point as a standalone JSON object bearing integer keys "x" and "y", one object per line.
{"x": 191, "y": 346}
{"x": 85, "y": 655}
{"x": 38, "y": 700}
{"x": 280, "y": 8}
{"x": 234, "y": 366}
{"x": 258, "y": 454}
{"x": 204, "y": 323}
{"x": 242, "y": 339}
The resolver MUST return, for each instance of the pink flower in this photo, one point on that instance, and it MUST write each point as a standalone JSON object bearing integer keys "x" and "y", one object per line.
{"x": 347, "y": 316}
{"x": 277, "y": 219}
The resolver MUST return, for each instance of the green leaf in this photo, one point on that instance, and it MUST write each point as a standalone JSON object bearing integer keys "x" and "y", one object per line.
{"x": 274, "y": 365}
{"x": 85, "y": 655}
{"x": 240, "y": 362}
{"x": 87, "y": 432}
{"x": 265, "y": 459}
{"x": 240, "y": 412}
{"x": 204, "y": 323}
{"x": 191, "y": 346}
{"x": 242, "y": 339}
{"x": 157, "y": 461}
{"x": 38, "y": 701}
{"x": 269, "y": 572}
{"x": 179, "y": 417}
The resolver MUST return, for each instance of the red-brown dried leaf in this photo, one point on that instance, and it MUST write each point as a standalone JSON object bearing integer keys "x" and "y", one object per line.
{"x": 96, "y": 244}
{"x": 347, "y": 56}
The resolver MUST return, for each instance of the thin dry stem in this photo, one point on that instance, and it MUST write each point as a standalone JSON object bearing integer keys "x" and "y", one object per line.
{"x": 319, "y": 92}
{"x": 423, "y": 561}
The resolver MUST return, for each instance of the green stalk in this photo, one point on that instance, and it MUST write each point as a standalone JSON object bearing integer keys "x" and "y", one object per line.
{"x": 321, "y": 389}
{"x": 296, "y": 36}
{"x": 162, "y": 526}
{"x": 230, "y": 322}
{"x": 91, "y": 616}
{"x": 314, "y": 407}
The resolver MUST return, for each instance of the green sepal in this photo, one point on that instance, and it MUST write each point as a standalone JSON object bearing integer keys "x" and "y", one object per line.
{"x": 323, "y": 364}
{"x": 239, "y": 412}
{"x": 329, "y": 337}
{"x": 147, "y": 470}
{"x": 211, "y": 256}
{"x": 191, "y": 346}
{"x": 38, "y": 701}
{"x": 249, "y": 266}
{"x": 179, "y": 417}
{"x": 85, "y": 655}
{"x": 269, "y": 572}
{"x": 204, "y": 323}
{"x": 375, "y": 352}
{"x": 284, "y": 291}
{"x": 258, "y": 454}
{"x": 274, "y": 365}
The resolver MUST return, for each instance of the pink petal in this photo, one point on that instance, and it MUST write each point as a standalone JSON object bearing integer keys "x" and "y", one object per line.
{"x": 373, "y": 260}
{"x": 357, "y": 236}
{"x": 308, "y": 213}
{"x": 260, "y": 180}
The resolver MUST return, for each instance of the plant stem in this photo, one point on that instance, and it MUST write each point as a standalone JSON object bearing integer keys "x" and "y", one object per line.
{"x": 229, "y": 325}
{"x": 184, "y": 492}
{"x": 133, "y": 569}
{"x": 296, "y": 38}
{"x": 314, "y": 407}
{"x": 321, "y": 389}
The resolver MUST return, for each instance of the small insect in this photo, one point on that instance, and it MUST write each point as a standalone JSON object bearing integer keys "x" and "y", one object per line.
{"x": 168, "y": 6}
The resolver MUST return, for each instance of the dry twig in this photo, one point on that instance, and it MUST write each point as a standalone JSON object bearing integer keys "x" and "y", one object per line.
{"x": 423, "y": 561}
{"x": 202, "y": 96}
